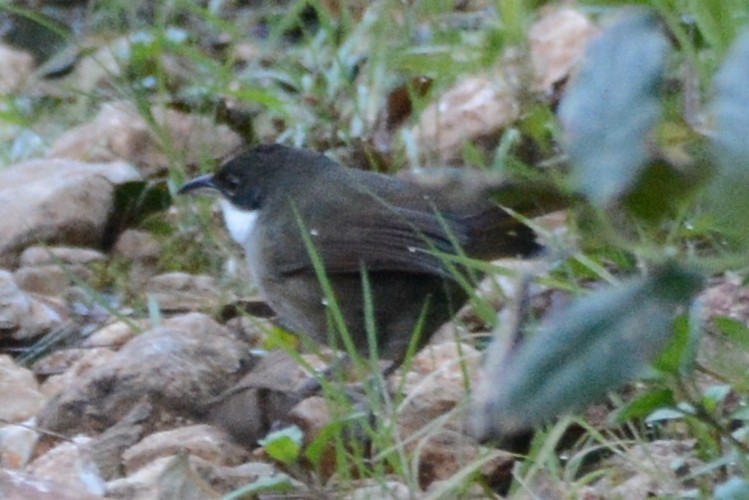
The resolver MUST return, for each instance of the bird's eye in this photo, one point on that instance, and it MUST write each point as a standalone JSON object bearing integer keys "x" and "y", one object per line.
{"x": 230, "y": 184}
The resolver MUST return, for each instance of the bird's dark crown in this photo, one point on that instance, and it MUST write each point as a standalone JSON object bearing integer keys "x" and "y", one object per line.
{"x": 248, "y": 177}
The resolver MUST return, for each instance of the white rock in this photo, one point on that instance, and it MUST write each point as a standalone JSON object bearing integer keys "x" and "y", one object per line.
{"x": 68, "y": 464}
{"x": 15, "y": 68}
{"x": 56, "y": 200}
{"x": 23, "y": 316}
{"x": 119, "y": 132}
{"x": 19, "y": 392}
{"x": 17, "y": 443}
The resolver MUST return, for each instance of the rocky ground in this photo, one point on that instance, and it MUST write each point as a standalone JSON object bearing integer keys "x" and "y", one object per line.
{"x": 118, "y": 404}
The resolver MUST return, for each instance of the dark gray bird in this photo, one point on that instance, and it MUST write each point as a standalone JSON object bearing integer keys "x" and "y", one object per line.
{"x": 398, "y": 230}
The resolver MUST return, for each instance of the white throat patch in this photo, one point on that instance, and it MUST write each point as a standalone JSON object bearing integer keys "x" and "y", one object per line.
{"x": 239, "y": 222}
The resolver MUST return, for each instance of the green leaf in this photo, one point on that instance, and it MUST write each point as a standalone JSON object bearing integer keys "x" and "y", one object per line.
{"x": 715, "y": 395}
{"x": 660, "y": 191}
{"x": 731, "y": 104}
{"x": 612, "y": 107}
{"x": 679, "y": 411}
{"x": 741, "y": 414}
{"x": 279, "y": 483}
{"x": 733, "y": 489}
{"x": 734, "y": 329}
{"x": 680, "y": 354}
{"x": 664, "y": 414}
{"x": 261, "y": 96}
{"x": 600, "y": 342}
{"x": 645, "y": 404}
{"x": 718, "y": 21}
{"x": 515, "y": 15}
{"x": 728, "y": 202}
{"x": 284, "y": 445}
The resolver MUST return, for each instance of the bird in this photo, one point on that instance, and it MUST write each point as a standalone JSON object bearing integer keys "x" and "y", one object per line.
{"x": 305, "y": 220}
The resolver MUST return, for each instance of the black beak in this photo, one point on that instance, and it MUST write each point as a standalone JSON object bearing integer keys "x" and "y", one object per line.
{"x": 198, "y": 184}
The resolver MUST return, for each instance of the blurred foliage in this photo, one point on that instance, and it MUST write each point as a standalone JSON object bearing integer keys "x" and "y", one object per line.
{"x": 648, "y": 144}
{"x": 595, "y": 345}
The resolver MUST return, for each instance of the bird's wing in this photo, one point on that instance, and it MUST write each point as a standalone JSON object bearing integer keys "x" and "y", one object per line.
{"x": 410, "y": 240}
{"x": 401, "y": 240}
{"x": 388, "y": 225}
{"x": 394, "y": 239}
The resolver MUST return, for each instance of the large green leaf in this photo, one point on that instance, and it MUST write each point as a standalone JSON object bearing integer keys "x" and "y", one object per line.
{"x": 728, "y": 200}
{"x": 732, "y": 108}
{"x": 645, "y": 404}
{"x": 613, "y": 105}
{"x": 283, "y": 445}
{"x": 595, "y": 346}
{"x": 734, "y": 489}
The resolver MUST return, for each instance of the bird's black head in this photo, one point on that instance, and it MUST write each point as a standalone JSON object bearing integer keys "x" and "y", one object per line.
{"x": 247, "y": 179}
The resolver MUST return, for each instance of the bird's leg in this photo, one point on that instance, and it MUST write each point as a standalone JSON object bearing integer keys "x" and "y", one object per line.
{"x": 312, "y": 385}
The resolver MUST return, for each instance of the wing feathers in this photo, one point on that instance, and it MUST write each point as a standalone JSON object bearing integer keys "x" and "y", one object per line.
{"x": 410, "y": 240}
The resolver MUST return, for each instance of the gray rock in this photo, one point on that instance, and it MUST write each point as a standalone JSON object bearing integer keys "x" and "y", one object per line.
{"x": 24, "y": 316}
{"x": 188, "y": 476}
{"x": 654, "y": 469}
{"x": 166, "y": 477}
{"x": 19, "y": 392}
{"x": 120, "y": 132}
{"x": 56, "y": 201}
{"x": 112, "y": 335}
{"x": 93, "y": 64}
{"x": 14, "y": 303}
{"x": 391, "y": 490}
{"x": 137, "y": 245}
{"x": 50, "y": 270}
{"x": 185, "y": 292}
{"x": 46, "y": 280}
{"x": 436, "y": 385}
{"x": 226, "y": 479}
{"x": 15, "y": 67}
{"x": 262, "y": 398}
{"x": 68, "y": 464}
{"x": 66, "y": 366}
{"x": 15, "y": 484}
{"x": 17, "y": 444}
{"x": 204, "y": 441}
{"x": 42, "y": 255}
{"x": 176, "y": 367}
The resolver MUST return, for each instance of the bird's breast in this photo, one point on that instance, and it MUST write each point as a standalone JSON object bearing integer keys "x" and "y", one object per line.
{"x": 242, "y": 226}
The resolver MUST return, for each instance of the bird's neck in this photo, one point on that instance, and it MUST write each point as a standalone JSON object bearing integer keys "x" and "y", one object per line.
{"x": 239, "y": 222}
